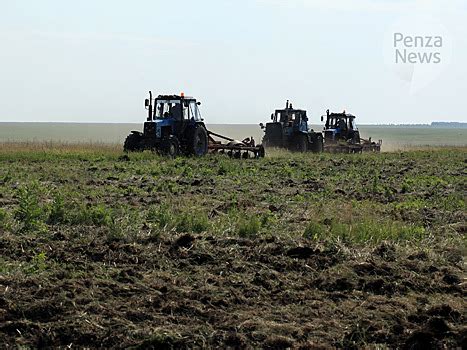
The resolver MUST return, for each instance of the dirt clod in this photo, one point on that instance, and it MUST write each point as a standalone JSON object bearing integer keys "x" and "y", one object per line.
{"x": 301, "y": 252}
{"x": 184, "y": 241}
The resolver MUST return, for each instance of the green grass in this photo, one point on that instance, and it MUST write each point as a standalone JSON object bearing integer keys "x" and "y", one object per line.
{"x": 249, "y": 226}
{"x": 357, "y": 198}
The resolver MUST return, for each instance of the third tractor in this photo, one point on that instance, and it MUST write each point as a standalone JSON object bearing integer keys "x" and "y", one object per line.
{"x": 341, "y": 135}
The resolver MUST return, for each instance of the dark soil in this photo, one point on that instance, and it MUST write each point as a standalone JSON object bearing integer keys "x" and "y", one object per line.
{"x": 198, "y": 291}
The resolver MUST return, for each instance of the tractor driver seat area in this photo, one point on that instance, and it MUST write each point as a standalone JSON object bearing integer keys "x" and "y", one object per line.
{"x": 176, "y": 111}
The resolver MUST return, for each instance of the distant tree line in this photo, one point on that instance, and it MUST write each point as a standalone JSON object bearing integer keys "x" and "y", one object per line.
{"x": 449, "y": 124}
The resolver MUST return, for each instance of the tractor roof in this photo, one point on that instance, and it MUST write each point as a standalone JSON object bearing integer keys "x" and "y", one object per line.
{"x": 290, "y": 110}
{"x": 174, "y": 97}
{"x": 346, "y": 115}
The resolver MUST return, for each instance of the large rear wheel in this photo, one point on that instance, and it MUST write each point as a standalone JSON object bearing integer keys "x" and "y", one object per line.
{"x": 198, "y": 141}
{"x": 133, "y": 142}
{"x": 273, "y": 135}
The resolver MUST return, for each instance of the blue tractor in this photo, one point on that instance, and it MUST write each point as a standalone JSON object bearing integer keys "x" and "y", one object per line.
{"x": 340, "y": 127}
{"x": 174, "y": 126}
{"x": 341, "y": 135}
{"x": 289, "y": 129}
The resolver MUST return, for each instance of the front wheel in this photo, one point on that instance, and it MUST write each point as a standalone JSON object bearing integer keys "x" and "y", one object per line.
{"x": 171, "y": 147}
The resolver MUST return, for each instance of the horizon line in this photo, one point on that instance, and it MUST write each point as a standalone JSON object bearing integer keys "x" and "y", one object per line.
{"x": 116, "y": 123}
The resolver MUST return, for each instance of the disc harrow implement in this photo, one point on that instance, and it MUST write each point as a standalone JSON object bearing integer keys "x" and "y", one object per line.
{"x": 234, "y": 148}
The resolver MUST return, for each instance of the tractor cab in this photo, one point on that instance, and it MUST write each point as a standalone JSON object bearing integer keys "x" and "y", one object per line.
{"x": 292, "y": 119}
{"x": 170, "y": 115}
{"x": 285, "y": 123}
{"x": 178, "y": 108}
{"x": 340, "y": 127}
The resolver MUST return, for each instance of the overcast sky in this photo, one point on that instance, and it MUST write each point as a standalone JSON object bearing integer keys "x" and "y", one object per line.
{"x": 94, "y": 61}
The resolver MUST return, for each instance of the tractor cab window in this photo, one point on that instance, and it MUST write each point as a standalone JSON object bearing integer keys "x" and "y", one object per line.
{"x": 161, "y": 110}
{"x": 288, "y": 117}
{"x": 186, "y": 110}
{"x": 283, "y": 117}
{"x": 278, "y": 116}
{"x": 300, "y": 117}
{"x": 342, "y": 123}
{"x": 176, "y": 111}
{"x": 168, "y": 109}
{"x": 194, "y": 111}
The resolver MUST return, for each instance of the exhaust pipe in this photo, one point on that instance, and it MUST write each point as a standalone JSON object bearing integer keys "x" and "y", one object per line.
{"x": 150, "y": 114}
